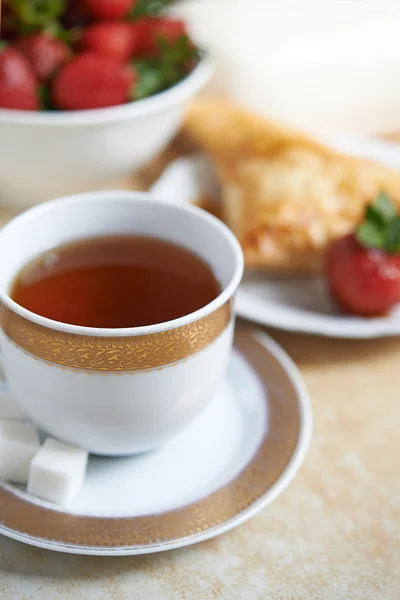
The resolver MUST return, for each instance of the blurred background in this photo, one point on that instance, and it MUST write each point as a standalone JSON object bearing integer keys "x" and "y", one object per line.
{"x": 322, "y": 64}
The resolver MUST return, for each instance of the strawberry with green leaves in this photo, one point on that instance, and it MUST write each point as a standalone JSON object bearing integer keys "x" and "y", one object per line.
{"x": 175, "y": 60}
{"x": 363, "y": 268}
{"x": 155, "y": 33}
{"x": 87, "y": 54}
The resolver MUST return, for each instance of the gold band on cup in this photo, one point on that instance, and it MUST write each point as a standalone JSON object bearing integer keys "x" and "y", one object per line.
{"x": 132, "y": 353}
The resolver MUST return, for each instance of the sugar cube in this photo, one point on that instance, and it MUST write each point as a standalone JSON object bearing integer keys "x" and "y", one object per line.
{"x": 19, "y": 442}
{"x": 9, "y": 409}
{"x": 57, "y": 471}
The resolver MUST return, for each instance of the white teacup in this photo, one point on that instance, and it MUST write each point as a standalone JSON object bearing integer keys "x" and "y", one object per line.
{"x": 116, "y": 391}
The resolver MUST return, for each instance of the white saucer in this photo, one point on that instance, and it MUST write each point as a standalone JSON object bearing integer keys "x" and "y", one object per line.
{"x": 234, "y": 460}
{"x": 295, "y": 304}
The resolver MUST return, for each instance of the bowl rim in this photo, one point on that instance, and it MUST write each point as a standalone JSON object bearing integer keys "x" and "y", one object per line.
{"x": 187, "y": 87}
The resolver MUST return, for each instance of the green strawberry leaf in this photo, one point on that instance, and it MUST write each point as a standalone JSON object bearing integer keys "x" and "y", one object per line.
{"x": 392, "y": 240}
{"x": 176, "y": 59}
{"x": 370, "y": 235}
{"x": 150, "y": 80}
{"x": 381, "y": 226}
{"x": 381, "y": 212}
{"x": 385, "y": 207}
{"x": 56, "y": 30}
{"x": 149, "y": 8}
{"x": 36, "y": 14}
{"x": 44, "y": 97}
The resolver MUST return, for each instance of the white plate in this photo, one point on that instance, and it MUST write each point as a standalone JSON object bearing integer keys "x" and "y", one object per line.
{"x": 295, "y": 304}
{"x": 234, "y": 460}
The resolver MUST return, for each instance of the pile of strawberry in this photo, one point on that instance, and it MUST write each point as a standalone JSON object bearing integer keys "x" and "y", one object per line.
{"x": 87, "y": 54}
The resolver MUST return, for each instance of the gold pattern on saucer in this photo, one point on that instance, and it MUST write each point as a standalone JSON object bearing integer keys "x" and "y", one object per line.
{"x": 115, "y": 353}
{"x": 20, "y": 516}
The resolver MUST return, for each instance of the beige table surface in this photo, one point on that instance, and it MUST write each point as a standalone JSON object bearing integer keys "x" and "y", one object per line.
{"x": 333, "y": 534}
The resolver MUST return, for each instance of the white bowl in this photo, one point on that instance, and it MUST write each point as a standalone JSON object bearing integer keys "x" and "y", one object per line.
{"x": 47, "y": 154}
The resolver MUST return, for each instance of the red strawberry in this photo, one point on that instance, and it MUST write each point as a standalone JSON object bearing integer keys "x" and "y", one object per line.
{"x": 363, "y": 269}
{"x": 18, "y": 82}
{"x": 151, "y": 31}
{"x": 105, "y": 10}
{"x": 92, "y": 81}
{"x": 113, "y": 38}
{"x": 45, "y": 52}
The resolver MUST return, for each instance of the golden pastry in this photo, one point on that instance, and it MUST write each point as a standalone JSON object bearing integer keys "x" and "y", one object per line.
{"x": 284, "y": 195}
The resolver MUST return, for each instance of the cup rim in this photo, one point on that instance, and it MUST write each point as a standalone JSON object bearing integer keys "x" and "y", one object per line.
{"x": 141, "y": 198}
